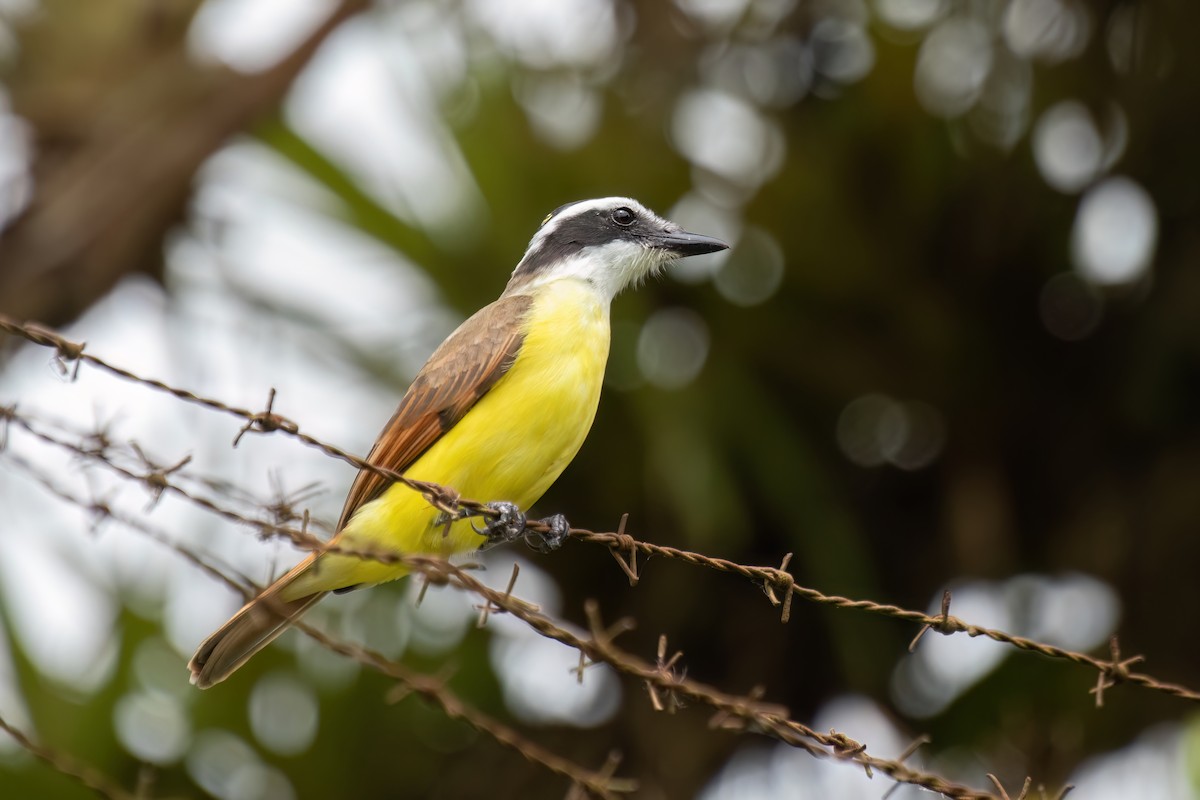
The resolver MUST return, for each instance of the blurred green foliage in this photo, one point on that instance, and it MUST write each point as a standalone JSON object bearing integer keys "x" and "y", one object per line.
{"x": 917, "y": 259}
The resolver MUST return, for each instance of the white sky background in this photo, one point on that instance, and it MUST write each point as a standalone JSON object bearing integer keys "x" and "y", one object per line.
{"x": 370, "y": 100}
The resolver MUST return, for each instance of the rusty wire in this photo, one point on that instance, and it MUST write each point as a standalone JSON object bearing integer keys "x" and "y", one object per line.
{"x": 733, "y": 712}
{"x": 68, "y": 765}
{"x": 265, "y": 421}
{"x": 600, "y": 783}
{"x": 772, "y": 580}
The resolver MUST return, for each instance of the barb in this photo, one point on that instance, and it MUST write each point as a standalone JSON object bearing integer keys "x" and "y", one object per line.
{"x": 487, "y": 609}
{"x": 1025, "y": 787}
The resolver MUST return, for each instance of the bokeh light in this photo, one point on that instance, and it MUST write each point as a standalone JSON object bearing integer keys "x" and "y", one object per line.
{"x": 952, "y": 66}
{"x": 1048, "y": 30}
{"x": 875, "y": 429}
{"x": 943, "y": 667}
{"x": 775, "y": 73}
{"x": 562, "y": 111}
{"x": 1072, "y": 611}
{"x": 673, "y": 347}
{"x": 540, "y": 676}
{"x": 697, "y": 212}
{"x": 1115, "y": 232}
{"x": 152, "y": 726}
{"x": 757, "y": 772}
{"x": 717, "y": 15}
{"x": 441, "y": 620}
{"x": 841, "y": 50}
{"x": 551, "y": 33}
{"x": 63, "y": 617}
{"x": 727, "y": 136}
{"x": 754, "y": 270}
{"x": 1001, "y": 115}
{"x": 540, "y": 687}
{"x": 1132, "y": 44}
{"x": 252, "y": 35}
{"x": 868, "y": 428}
{"x": 156, "y": 667}
{"x": 1067, "y": 146}
{"x": 395, "y": 145}
{"x": 910, "y": 15}
{"x": 228, "y": 768}
{"x": 1163, "y": 752}
{"x": 283, "y": 713}
{"x": 16, "y": 187}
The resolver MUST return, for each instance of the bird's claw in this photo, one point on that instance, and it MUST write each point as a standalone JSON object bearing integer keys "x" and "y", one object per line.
{"x": 509, "y": 524}
{"x": 506, "y": 527}
{"x": 551, "y": 540}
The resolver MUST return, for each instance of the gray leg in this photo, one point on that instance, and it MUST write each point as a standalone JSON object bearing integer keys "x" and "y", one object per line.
{"x": 552, "y": 539}
{"x": 507, "y": 527}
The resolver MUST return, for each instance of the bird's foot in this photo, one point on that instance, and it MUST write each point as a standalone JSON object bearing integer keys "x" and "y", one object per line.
{"x": 550, "y": 540}
{"x": 509, "y": 524}
{"x": 506, "y": 527}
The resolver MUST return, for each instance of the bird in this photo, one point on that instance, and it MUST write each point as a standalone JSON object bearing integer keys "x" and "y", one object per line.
{"x": 497, "y": 413}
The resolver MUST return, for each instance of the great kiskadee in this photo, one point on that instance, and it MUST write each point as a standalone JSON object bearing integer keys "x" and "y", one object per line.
{"x": 496, "y": 414}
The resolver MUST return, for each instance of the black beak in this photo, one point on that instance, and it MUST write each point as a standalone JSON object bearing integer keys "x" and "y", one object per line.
{"x": 684, "y": 244}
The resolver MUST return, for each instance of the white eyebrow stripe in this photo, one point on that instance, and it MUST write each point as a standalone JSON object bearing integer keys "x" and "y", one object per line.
{"x": 582, "y": 207}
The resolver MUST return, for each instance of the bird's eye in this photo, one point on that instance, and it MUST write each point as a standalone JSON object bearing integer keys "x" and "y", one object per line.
{"x": 623, "y": 216}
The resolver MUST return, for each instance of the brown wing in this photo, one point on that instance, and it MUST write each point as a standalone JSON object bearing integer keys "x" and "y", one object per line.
{"x": 458, "y": 373}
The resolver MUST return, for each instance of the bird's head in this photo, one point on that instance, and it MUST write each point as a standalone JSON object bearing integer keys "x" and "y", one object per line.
{"x": 610, "y": 243}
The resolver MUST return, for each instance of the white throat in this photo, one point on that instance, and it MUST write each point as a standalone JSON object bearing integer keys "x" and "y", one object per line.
{"x": 607, "y": 268}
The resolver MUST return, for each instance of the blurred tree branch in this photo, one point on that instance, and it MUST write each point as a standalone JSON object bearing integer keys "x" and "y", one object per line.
{"x": 122, "y": 117}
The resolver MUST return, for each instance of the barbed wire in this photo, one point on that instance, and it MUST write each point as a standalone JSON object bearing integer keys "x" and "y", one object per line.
{"x": 776, "y": 580}
{"x": 601, "y": 783}
{"x": 267, "y": 421}
{"x": 665, "y": 683}
{"x": 70, "y": 766}
{"x": 773, "y": 580}
{"x": 663, "y": 680}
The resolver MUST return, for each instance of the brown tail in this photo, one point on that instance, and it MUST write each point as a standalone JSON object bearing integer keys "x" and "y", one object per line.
{"x": 248, "y": 631}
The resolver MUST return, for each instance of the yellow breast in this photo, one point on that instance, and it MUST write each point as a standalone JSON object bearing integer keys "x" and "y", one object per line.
{"x": 510, "y": 446}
